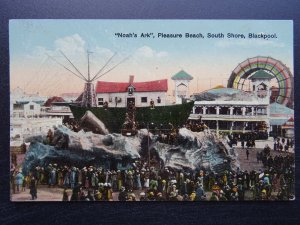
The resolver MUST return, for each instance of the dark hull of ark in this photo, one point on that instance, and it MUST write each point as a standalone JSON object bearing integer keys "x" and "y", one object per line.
{"x": 113, "y": 118}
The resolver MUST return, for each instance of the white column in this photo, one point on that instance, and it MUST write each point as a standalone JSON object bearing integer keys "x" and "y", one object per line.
{"x": 244, "y": 127}
{"x": 204, "y": 110}
{"x": 252, "y": 111}
{"x": 268, "y": 126}
{"x": 231, "y": 127}
{"x": 244, "y": 111}
{"x": 217, "y": 110}
{"x": 231, "y": 110}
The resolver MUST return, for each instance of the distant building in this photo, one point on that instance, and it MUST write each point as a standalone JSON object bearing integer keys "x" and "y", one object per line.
{"x": 233, "y": 110}
{"x": 230, "y": 110}
{"x": 20, "y": 100}
{"x": 279, "y": 116}
{"x": 57, "y": 106}
{"x": 20, "y": 95}
{"x": 120, "y": 94}
{"x": 26, "y": 109}
{"x": 288, "y": 128}
{"x": 28, "y": 116}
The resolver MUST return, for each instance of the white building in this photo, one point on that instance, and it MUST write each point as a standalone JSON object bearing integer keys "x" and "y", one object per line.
{"x": 19, "y": 96}
{"x": 119, "y": 94}
{"x": 232, "y": 110}
{"x": 28, "y": 117}
{"x": 57, "y": 106}
{"x": 182, "y": 80}
{"x": 26, "y": 109}
{"x": 280, "y": 118}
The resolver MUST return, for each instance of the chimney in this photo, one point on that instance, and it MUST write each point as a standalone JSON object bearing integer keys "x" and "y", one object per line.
{"x": 131, "y": 78}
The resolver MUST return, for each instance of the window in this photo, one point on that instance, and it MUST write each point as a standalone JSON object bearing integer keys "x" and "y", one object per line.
{"x": 18, "y": 106}
{"x": 31, "y": 107}
{"x": 100, "y": 101}
{"x": 144, "y": 99}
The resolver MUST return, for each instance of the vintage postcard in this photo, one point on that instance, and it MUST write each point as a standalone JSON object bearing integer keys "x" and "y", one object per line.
{"x": 151, "y": 110}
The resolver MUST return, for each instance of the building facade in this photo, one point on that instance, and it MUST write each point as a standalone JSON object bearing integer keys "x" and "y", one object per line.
{"x": 233, "y": 110}
{"x": 29, "y": 116}
{"x": 120, "y": 94}
{"x": 26, "y": 109}
{"x": 231, "y": 115}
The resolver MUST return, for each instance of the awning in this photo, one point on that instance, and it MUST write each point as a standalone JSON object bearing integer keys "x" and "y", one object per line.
{"x": 277, "y": 122}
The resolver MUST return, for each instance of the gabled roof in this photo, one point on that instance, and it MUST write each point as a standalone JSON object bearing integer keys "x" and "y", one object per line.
{"x": 53, "y": 99}
{"x": 182, "y": 75}
{"x": 261, "y": 74}
{"x": 149, "y": 86}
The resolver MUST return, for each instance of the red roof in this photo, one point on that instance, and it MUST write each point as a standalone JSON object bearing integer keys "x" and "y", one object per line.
{"x": 150, "y": 86}
{"x": 289, "y": 123}
{"x": 53, "y": 99}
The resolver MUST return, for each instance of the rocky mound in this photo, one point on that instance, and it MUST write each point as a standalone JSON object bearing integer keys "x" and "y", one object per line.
{"x": 192, "y": 149}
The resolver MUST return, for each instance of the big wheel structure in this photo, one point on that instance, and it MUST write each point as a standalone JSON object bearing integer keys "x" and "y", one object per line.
{"x": 275, "y": 67}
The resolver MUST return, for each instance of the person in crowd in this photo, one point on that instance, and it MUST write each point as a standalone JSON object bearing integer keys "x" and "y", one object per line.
{"x": 19, "y": 179}
{"x": 65, "y": 196}
{"x": 142, "y": 183}
{"x": 33, "y": 189}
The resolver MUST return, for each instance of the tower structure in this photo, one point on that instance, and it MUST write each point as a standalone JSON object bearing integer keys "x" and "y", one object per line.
{"x": 182, "y": 80}
{"x": 261, "y": 85}
{"x": 88, "y": 97}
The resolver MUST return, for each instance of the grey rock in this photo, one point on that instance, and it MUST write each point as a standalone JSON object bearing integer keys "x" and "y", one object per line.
{"x": 89, "y": 122}
{"x": 193, "y": 149}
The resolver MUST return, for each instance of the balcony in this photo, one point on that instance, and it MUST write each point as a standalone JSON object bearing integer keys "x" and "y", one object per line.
{"x": 230, "y": 117}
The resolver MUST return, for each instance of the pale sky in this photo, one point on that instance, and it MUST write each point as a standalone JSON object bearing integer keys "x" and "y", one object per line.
{"x": 209, "y": 61}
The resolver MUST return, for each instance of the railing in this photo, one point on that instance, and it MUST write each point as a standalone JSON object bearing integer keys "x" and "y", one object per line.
{"x": 57, "y": 111}
{"x": 227, "y": 116}
{"x": 36, "y": 118}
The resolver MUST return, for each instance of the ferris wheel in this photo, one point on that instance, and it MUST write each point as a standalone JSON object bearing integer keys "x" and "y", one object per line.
{"x": 280, "y": 71}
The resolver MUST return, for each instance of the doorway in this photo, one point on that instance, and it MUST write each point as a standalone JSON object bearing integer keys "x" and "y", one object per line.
{"x": 130, "y": 101}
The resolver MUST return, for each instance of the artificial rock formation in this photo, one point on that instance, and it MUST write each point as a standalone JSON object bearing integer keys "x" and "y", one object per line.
{"x": 192, "y": 150}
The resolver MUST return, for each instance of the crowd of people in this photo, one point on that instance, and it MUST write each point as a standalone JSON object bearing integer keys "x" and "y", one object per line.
{"x": 275, "y": 182}
{"x": 283, "y": 144}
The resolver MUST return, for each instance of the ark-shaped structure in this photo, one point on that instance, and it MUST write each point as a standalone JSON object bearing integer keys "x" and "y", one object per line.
{"x": 114, "y": 117}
